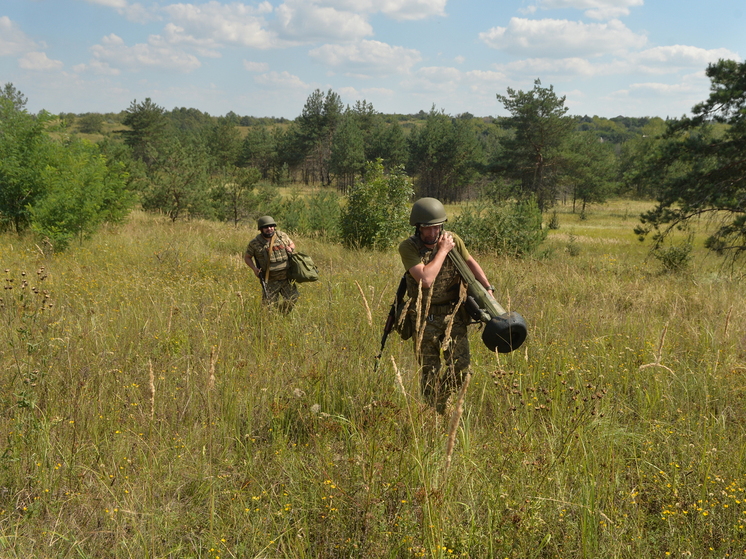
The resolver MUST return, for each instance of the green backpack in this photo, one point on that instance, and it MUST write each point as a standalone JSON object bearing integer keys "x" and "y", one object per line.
{"x": 301, "y": 268}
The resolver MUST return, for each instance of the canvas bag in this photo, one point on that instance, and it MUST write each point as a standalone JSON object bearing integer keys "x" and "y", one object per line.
{"x": 301, "y": 268}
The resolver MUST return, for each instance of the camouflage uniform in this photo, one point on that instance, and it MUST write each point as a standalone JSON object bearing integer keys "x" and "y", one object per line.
{"x": 282, "y": 292}
{"x": 438, "y": 382}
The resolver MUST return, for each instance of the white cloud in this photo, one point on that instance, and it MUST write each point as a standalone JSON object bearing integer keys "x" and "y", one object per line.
{"x": 367, "y": 58}
{"x": 550, "y": 67}
{"x": 555, "y": 38}
{"x": 304, "y": 22}
{"x": 435, "y": 79}
{"x": 255, "y": 66}
{"x": 412, "y": 9}
{"x": 596, "y": 9}
{"x": 156, "y": 54}
{"x": 39, "y": 61}
{"x": 378, "y": 92}
{"x": 282, "y": 80}
{"x": 213, "y": 24}
{"x": 460, "y": 59}
{"x": 12, "y": 39}
{"x": 119, "y": 4}
{"x": 395, "y": 9}
{"x": 133, "y": 12}
{"x": 677, "y": 57}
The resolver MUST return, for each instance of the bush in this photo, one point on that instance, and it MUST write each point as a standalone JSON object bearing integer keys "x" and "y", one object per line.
{"x": 506, "y": 228}
{"x": 82, "y": 193}
{"x": 376, "y": 215}
{"x": 675, "y": 258}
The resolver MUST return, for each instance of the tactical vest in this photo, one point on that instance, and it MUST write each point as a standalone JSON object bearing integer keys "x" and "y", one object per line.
{"x": 278, "y": 257}
{"x": 446, "y": 285}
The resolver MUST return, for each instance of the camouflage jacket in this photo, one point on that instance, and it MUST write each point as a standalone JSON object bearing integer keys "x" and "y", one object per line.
{"x": 277, "y": 258}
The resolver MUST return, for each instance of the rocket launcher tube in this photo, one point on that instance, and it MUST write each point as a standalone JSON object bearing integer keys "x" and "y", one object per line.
{"x": 503, "y": 331}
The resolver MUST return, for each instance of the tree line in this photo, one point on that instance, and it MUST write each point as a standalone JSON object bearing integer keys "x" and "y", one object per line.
{"x": 185, "y": 163}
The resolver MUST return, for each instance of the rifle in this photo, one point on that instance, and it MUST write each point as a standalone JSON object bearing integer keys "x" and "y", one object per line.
{"x": 393, "y": 316}
{"x": 262, "y": 281}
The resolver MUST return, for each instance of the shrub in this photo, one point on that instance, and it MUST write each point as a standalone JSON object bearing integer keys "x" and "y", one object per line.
{"x": 674, "y": 258}
{"x": 509, "y": 227}
{"x": 376, "y": 214}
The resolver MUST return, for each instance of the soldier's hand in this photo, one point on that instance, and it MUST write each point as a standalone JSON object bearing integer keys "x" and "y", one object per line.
{"x": 446, "y": 242}
{"x": 257, "y": 273}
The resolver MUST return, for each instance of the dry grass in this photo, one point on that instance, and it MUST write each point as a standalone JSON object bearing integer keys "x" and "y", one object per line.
{"x": 152, "y": 408}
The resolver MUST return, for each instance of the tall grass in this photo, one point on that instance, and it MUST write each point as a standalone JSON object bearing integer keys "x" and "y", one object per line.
{"x": 151, "y": 407}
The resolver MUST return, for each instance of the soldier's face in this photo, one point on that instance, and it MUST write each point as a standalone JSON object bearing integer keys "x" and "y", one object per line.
{"x": 268, "y": 231}
{"x": 429, "y": 233}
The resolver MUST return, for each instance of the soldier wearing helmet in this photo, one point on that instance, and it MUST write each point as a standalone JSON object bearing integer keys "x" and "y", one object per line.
{"x": 268, "y": 257}
{"x": 424, "y": 256}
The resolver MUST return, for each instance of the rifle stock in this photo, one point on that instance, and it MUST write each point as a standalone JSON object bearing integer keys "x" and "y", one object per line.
{"x": 392, "y": 316}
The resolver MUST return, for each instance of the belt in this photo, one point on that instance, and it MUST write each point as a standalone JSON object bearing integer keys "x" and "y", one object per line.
{"x": 445, "y": 308}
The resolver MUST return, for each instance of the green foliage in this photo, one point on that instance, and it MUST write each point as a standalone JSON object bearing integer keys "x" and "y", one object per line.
{"x": 232, "y": 193}
{"x": 532, "y": 157}
{"x": 589, "y": 169}
{"x": 512, "y": 227}
{"x": 701, "y": 171}
{"x": 347, "y": 158}
{"x": 178, "y": 185}
{"x": 82, "y": 192}
{"x": 323, "y": 214}
{"x": 377, "y": 208}
{"x": 91, "y": 123}
{"x": 674, "y": 258}
{"x": 148, "y": 130}
{"x": 442, "y": 154}
{"x": 24, "y": 146}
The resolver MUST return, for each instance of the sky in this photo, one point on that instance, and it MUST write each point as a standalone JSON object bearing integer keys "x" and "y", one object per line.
{"x": 637, "y": 58}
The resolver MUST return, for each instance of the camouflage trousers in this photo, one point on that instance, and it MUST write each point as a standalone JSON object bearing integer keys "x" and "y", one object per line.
{"x": 283, "y": 294}
{"x": 443, "y": 363}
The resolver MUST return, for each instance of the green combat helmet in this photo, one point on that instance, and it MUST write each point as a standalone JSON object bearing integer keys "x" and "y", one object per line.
{"x": 265, "y": 221}
{"x": 427, "y": 211}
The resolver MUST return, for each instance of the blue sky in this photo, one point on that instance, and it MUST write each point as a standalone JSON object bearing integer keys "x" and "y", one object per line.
{"x": 264, "y": 58}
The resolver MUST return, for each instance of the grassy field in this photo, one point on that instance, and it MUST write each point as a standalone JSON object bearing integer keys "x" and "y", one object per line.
{"x": 152, "y": 408}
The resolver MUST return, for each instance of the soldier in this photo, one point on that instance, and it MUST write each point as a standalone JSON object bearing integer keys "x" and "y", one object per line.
{"x": 268, "y": 256}
{"x": 425, "y": 257}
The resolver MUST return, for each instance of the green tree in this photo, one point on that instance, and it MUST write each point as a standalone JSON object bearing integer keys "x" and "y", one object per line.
{"x": 259, "y": 150}
{"x": 589, "y": 169}
{"x": 348, "y": 151}
{"x": 635, "y": 157}
{"x": 17, "y": 99}
{"x": 533, "y": 155}
{"x": 317, "y": 124}
{"x": 83, "y": 192}
{"x": 179, "y": 181}
{"x": 24, "y": 147}
{"x": 231, "y": 192}
{"x": 702, "y": 170}
{"x": 387, "y": 142}
{"x": 148, "y": 130}
{"x": 376, "y": 213}
{"x": 442, "y": 154}
{"x": 91, "y": 123}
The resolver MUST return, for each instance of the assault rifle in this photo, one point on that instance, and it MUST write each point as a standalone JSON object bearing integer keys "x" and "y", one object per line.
{"x": 262, "y": 281}
{"x": 393, "y": 316}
